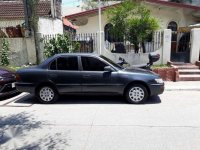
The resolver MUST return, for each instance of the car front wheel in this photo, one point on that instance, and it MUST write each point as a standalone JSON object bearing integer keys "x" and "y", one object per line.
{"x": 47, "y": 95}
{"x": 136, "y": 94}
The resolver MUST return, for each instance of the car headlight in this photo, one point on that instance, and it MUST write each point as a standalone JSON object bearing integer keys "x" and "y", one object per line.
{"x": 1, "y": 77}
{"x": 160, "y": 81}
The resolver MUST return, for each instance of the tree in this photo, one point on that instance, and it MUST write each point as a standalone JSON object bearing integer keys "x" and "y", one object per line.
{"x": 132, "y": 21}
{"x": 33, "y": 22}
{"x": 141, "y": 27}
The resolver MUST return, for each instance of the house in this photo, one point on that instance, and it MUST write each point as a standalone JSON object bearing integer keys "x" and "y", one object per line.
{"x": 170, "y": 15}
{"x": 13, "y": 28}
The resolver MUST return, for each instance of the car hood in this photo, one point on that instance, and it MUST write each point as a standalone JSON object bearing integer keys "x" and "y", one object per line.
{"x": 6, "y": 72}
{"x": 139, "y": 70}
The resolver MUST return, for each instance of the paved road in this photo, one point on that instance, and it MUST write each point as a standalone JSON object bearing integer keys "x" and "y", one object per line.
{"x": 168, "y": 122}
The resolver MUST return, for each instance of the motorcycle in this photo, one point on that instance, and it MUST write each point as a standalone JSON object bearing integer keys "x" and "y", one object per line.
{"x": 152, "y": 58}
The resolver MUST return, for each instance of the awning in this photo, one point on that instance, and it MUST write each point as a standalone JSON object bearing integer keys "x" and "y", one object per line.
{"x": 69, "y": 24}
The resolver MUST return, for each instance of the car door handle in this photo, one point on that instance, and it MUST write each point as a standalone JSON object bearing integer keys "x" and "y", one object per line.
{"x": 86, "y": 76}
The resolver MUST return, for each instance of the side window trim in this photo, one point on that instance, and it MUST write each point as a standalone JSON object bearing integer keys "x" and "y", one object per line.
{"x": 49, "y": 66}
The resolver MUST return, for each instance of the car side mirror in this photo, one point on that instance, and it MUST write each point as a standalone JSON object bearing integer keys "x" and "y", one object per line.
{"x": 108, "y": 69}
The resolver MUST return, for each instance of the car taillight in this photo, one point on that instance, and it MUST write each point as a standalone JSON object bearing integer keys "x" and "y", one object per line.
{"x": 17, "y": 77}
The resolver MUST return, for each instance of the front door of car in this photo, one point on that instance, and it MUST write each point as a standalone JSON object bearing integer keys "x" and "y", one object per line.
{"x": 64, "y": 72}
{"x": 95, "y": 79}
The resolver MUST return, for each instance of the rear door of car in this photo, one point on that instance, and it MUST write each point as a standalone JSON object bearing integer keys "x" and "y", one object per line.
{"x": 95, "y": 79}
{"x": 64, "y": 72}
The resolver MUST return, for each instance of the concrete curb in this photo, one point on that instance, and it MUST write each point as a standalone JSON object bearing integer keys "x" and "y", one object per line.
{"x": 182, "y": 86}
{"x": 181, "y": 89}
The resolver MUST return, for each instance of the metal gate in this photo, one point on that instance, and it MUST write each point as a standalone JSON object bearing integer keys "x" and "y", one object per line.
{"x": 180, "y": 48}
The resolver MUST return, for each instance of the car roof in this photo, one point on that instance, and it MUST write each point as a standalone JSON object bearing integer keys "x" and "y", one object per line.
{"x": 47, "y": 61}
{"x": 76, "y": 54}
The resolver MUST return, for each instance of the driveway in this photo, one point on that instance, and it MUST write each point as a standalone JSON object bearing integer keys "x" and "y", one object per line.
{"x": 170, "y": 121}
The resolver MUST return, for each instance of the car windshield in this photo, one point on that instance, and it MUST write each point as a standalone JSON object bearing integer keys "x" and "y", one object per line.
{"x": 111, "y": 62}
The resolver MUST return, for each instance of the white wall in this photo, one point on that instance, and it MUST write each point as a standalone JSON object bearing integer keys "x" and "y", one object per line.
{"x": 7, "y": 23}
{"x": 50, "y": 26}
{"x": 93, "y": 25}
{"x": 167, "y": 14}
{"x": 163, "y": 13}
{"x": 195, "y": 45}
{"x": 18, "y": 55}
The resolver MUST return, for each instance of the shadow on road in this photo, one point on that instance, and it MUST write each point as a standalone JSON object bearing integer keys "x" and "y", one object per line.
{"x": 101, "y": 100}
{"x": 27, "y": 99}
{"x": 17, "y": 132}
{"x": 153, "y": 100}
{"x": 82, "y": 99}
{"x": 9, "y": 96}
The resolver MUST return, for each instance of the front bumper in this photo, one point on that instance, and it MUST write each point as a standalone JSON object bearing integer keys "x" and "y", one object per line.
{"x": 26, "y": 87}
{"x": 157, "y": 89}
{"x": 8, "y": 89}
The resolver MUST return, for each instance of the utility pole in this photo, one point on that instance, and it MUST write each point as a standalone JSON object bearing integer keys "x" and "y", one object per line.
{"x": 26, "y": 14}
{"x": 99, "y": 2}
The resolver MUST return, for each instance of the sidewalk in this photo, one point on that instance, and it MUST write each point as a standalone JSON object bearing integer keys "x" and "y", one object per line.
{"x": 182, "y": 86}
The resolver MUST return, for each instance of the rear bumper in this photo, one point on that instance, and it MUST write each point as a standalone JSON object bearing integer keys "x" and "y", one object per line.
{"x": 26, "y": 87}
{"x": 156, "y": 89}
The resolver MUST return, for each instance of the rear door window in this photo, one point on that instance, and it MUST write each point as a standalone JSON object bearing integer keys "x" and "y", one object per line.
{"x": 65, "y": 63}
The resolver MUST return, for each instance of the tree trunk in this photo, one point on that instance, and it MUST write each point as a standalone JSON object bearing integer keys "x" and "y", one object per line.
{"x": 37, "y": 42}
{"x": 136, "y": 47}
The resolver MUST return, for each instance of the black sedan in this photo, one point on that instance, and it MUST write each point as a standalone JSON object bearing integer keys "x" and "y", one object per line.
{"x": 7, "y": 82}
{"x": 87, "y": 74}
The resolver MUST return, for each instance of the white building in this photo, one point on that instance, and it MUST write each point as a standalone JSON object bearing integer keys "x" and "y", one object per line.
{"x": 170, "y": 15}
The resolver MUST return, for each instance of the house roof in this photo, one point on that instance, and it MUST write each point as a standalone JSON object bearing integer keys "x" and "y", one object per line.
{"x": 15, "y": 9}
{"x": 88, "y": 12}
{"x": 159, "y": 2}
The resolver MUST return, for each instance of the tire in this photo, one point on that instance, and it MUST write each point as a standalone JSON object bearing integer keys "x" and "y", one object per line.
{"x": 136, "y": 94}
{"x": 47, "y": 95}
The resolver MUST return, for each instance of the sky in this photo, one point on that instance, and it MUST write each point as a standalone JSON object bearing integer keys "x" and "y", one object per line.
{"x": 71, "y": 2}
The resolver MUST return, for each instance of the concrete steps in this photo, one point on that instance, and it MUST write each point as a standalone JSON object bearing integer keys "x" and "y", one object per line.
{"x": 190, "y": 77}
{"x": 187, "y": 67}
{"x": 187, "y": 71}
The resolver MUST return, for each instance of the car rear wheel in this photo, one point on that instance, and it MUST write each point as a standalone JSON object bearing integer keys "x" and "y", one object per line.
{"x": 47, "y": 95}
{"x": 136, "y": 94}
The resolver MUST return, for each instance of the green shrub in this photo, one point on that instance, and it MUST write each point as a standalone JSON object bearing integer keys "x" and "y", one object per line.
{"x": 4, "y": 53}
{"x": 60, "y": 44}
{"x": 160, "y": 66}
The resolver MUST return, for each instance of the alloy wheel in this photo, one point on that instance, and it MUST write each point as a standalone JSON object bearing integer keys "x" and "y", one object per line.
{"x": 47, "y": 94}
{"x": 136, "y": 94}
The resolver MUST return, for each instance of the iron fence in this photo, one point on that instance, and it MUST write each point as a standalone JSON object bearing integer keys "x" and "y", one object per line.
{"x": 88, "y": 43}
{"x": 153, "y": 43}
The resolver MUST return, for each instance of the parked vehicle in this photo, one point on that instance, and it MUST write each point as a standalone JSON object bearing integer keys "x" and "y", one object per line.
{"x": 152, "y": 58}
{"x": 87, "y": 74}
{"x": 7, "y": 82}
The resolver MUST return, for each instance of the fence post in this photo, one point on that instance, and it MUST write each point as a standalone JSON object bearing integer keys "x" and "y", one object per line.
{"x": 100, "y": 51}
{"x": 166, "y": 51}
{"x": 195, "y": 45}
